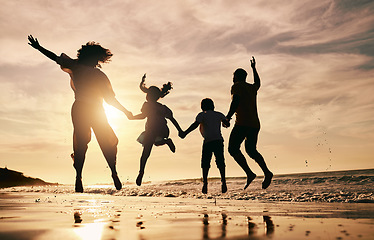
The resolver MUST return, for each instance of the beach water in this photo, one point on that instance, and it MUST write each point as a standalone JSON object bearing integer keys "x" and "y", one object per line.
{"x": 329, "y": 205}
{"x": 355, "y": 186}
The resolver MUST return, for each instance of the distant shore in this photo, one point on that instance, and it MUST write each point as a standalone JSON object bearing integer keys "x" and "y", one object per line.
{"x": 11, "y": 178}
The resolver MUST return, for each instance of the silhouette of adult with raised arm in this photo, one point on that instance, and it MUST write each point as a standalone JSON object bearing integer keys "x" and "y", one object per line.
{"x": 247, "y": 123}
{"x": 91, "y": 86}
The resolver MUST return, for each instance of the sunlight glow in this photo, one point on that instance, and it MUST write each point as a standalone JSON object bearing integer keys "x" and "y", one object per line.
{"x": 114, "y": 116}
{"x": 90, "y": 231}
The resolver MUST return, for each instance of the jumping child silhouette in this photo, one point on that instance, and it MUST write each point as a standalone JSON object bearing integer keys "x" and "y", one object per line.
{"x": 91, "y": 86}
{"x": 156, "y": 129}
{"x": 210, "y": 128}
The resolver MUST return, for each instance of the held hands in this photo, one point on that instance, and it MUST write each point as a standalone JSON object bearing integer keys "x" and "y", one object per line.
{"x": 253, "y": 62}
{"x": 226, "y": 123}
{"x": 129, "y": 115}
{"x": 33, "y": 42}
{"x": 182, "y": 134}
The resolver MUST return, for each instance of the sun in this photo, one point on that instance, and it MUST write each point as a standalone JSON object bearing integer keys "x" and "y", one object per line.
{"x": 114, "y": 115}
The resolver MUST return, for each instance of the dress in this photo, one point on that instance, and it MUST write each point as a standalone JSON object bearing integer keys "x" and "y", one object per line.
{"x": 156, "y": 129}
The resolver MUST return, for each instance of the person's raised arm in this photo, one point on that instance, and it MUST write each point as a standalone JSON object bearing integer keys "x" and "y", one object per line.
{"x": 33, "y": 42}
{"x": 142, "y": 84}
{"x": 256, "y": 77}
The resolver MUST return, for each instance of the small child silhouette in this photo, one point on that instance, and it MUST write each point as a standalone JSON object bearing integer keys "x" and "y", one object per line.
{"x": 210, "y": 128}
{"x": 156, "y": 129}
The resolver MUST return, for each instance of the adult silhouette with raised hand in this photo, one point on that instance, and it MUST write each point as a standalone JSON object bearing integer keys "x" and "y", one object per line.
{"x": 247, "y": 123}
{"x": 91, "y": 86}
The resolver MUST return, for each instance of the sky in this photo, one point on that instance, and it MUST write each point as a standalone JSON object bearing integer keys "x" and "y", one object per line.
{"x": 315, "y": 60}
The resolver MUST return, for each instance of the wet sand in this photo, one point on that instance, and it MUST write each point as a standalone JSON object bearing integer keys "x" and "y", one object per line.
{"x": 95, "y": 216}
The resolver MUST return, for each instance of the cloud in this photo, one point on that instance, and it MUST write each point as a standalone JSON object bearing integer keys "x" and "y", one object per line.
{"x": 315, "y": 60}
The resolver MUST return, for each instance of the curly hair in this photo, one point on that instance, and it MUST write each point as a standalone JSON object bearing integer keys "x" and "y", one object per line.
{"x": 92, "y": 50}
{"x": 155, "y": 93}
{"x": 165, "y": 90}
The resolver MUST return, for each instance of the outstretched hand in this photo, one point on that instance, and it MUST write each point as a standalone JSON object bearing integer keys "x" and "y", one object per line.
{"x": 226, "y": 123}
{"x": 253, "y": 62}
{"x": 182, "y": 134}
{"x": 143, "y": 78}
{"x": 33, "y": 42}
{"x": 129, "y": 115}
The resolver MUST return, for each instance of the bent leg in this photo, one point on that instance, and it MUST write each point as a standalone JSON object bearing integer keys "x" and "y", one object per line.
{"x": 81, "y": 138}
{"x": 147, "y": 147}
{"x": 237, "y": 136}
{"x": 220, "y": 162}
{"x": 206, "y": 157}
{"x": 108, "y": 142}
{"x": 205, "y": 180}
{"x": 251, "y": 149}
{"x": 143, "y": 160}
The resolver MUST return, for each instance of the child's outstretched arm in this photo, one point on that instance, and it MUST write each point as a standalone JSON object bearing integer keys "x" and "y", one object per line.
{"x": 190, "y": 129}
{"x": 115, "y": 103}
{"x": 225, "y": 123}
{"x": 33, "y": 42}
{"x": 169, "y": 115}
{"x": 136, "y": 117}
{"x": 176, "y": 124}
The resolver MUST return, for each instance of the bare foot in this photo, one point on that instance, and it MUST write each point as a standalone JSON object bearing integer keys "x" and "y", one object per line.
{"x": 267, "y": 180}
{"x": 224, "y": 187}
{"x": 171, "y": 145}
{"x": 205, "y": 188}
{"x": 117, "y": 182}
{"x": 78, "y": 185}
{"x": 250, "y": 178}
{"x": 139, "y": 178}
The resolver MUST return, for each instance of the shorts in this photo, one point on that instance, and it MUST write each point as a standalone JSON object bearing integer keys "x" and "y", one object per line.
{"x": 209, "y": 148}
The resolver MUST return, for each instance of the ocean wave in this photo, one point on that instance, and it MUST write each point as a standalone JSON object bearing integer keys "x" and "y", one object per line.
{"x": 347, "y": 187}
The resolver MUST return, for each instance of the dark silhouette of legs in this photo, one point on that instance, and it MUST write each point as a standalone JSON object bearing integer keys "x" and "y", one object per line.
{"x": 206, "y": 157}
{"x": 108, "y": 141}
{"x": 81, "y": 138}
{"x": 205, "y": 180}
{"x": 171, "y": 145}
{"x": 147, "y": 147}
{"x": 223, "y": 179}
{"x": 251, "y": 149}
{"x": 237, "y": 136}
{"x": 84, "y": 118}
{"x": 168, "y": 142}
{"x": 220, "y": 162}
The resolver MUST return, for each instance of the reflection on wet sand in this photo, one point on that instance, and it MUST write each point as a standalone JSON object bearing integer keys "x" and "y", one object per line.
{"x": 93, "y": 231}
{"x": 269, "y": 225}
{"x": 252, "y": 227}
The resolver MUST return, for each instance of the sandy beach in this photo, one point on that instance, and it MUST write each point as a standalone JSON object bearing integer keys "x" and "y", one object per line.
{"x": 37, "y": 215}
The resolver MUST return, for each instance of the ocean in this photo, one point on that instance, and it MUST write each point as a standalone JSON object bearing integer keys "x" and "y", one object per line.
{"x": 354, "y": 186}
